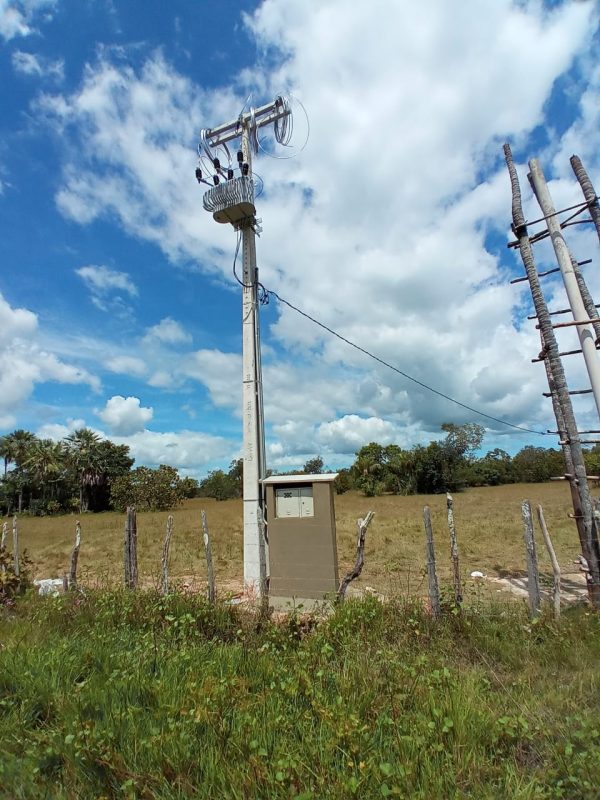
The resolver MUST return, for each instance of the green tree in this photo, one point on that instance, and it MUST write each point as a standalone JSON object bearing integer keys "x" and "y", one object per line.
{"x": 147, "y": 489}
{"x": 537, "y": 464}
{"x": 314, "y": 466}
{"x": 369, "y": 469}
{"x": 220, "y": 485}
{"x": 16, "y": 447}
{"x": 85, "y": 458}
{"x": 46, "y": 465}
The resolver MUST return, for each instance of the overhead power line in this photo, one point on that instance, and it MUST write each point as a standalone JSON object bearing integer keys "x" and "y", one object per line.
{"x": 399, "y": 371}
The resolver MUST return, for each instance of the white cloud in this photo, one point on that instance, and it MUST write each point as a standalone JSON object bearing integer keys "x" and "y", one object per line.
{"x": 348, "y": 434}
{"x": 25, "y": 362}
{"x": 378, "y": 229}
{"x": 125, "y": 415}
{"x": 191, "y": 452}
{"x": 168, "y": 331}
{"x": 16, "y": 16}
{"x": 107, "y": 286}
{"x": 126, "y": 365}
{"x": 38, "y": 66}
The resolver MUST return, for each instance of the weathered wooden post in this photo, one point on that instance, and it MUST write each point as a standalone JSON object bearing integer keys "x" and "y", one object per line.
{"x": 588, "y": 191}
{"x": 211, "y": 589}
{"x": 553, "y": 560}
{"x": 533, "y": 577}
{"x": 434, "y": 591}
{"x": 15, "y": 532}
{"x": 72, "y": 582}
{"x": 582, "y": 505}
{"x": 3, "y": 544}
{"x": 164, "y": 585}
{"x": 362, "y": 526}
{"x": 454, "y": 550}
{"x": 130, "y": 550}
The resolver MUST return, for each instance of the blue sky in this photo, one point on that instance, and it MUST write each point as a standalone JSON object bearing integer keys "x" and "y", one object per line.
{"x": 118, "y": 306}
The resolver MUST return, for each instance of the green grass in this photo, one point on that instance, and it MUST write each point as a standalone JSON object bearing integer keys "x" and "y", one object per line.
{"x": 132, "y": 695}
{"x": 488, "y": 522}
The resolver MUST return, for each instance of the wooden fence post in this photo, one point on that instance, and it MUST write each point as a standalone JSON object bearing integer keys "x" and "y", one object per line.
{"x": 72, "y": 582}
{"x": 362, "y": 525}
{"x": 3, "y": 544}
{"x": 15, "y": 531}
{"x": 434, "y": 591}
{"x": 130, "y": 550}
{"x": 533, "y": 577}
{"x": 454, "y": 550}
{"x": 554, "y": 561}
{"x": 211, "y": 592}
{"x": 164, "y": 585}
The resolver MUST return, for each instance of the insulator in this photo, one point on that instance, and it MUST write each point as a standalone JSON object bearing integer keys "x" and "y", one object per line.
{"x": 229, "y": 174}
{"x": 216, "y": 180}
{"x": 198, "y": 174}
{"x": 245, "y": 168}
{"x": 240, "y": 156}
{"x": 216, "y": 163}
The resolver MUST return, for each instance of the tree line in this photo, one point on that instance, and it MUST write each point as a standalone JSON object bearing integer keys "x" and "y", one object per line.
{"x": 82, "y": 472}
{"x": 450, "y": 465}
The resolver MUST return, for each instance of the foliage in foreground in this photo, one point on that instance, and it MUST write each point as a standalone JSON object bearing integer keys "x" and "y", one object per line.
{"x": 137, "y": 696}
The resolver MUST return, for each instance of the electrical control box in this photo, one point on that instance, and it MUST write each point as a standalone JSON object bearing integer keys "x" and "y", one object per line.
{"x": 302, "y": 537}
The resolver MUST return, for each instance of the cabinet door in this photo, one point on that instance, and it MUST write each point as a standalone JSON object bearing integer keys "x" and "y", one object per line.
{"x": 307, "y": 508}
{"x": 287, "y": 502}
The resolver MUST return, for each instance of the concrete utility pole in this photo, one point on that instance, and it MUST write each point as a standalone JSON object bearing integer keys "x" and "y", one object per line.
{"x": 585, "y": 331}
{"x": 233, "y": 201}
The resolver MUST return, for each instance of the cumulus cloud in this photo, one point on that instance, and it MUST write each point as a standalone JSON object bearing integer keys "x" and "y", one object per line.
{"x": 37, "y": 65}
{"x": 380, "y": 228}
{"x": 25, "y": 362}
{"x": 17, "y": 16}
{"x": 107, "y": 287}
{"x": 192, "y": 452}
{"x": 125, "y": 415}
{"x": 126, "y": 365}
{"x": 168, "y": 331}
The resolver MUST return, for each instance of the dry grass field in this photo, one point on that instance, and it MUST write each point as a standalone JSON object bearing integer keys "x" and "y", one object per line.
{"x": 488, "y": 522}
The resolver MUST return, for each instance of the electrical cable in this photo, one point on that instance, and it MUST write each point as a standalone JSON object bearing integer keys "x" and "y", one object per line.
{"x": 399, "y": 371}
{"x": 284, "y": 128}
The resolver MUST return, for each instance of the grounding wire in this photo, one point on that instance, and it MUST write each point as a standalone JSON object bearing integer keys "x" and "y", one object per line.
{"x": 399, "y": 371}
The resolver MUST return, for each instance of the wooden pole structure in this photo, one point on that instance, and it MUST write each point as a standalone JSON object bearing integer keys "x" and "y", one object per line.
{"x": 588, "y": 536}
{"x": 164, "y": 585}
{"x": 588, "y": 191}
{"x": 454, "y": 551}
{"x": 15, "y": 532}
{"x": 362, "y": 526}
{"x": 130, "y": 554}
{"x": 585, "y": 331}
{"x": 533, "y": 577}
{"x": 72, "y": 582}
{"x": 553, "y": 561}
{"x": 211, "y": 588}
{"x": 434, "y": 591}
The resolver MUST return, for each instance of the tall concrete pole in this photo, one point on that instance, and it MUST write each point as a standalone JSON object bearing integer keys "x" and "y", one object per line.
{"x": 255, "y": 558}
{"x": 255, "y": 545}
{"x": 585, "y": 332}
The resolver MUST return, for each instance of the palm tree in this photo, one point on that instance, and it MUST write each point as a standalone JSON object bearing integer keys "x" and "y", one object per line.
{"x": 46, "y": 462}
{"x": 16, "y": 447}
{"x": 86, "y": 458}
